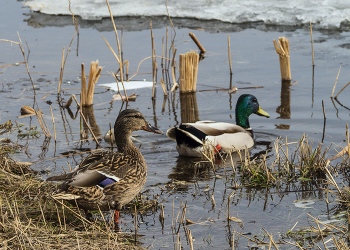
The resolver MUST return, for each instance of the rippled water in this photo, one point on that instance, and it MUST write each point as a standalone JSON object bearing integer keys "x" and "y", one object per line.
{"x": 295, "y": 110}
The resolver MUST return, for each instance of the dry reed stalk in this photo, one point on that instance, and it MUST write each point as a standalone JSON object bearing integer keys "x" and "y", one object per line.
{"x": 347, "y": 139}
{"x": 229, "y": 54}
{"x": 331, "y": 179}
{"x": 270, "y": 238}
{"x": 135, "y": 223}
{"x": 233, "y": 240}
{"x": 58, "y": 216}
{"x": 320, "y": 231}
{"x": 61, "y": 72}
{"x": 342, "y": 90}
{"x": 41, "y": 123}
{"x": 336, "y": 80}
{"x": 161, "y": 62}
{"x": 283, "y": 52}
{"x": 25, "y": 60}
{"x": 70, "y": 100}
{"x": 119, "y": 58}
{"x": 172, "y": 216}
{"x": 83, "y": 96}
{"x": 175, "y": 85}
{"x": 92, "y": 71}
{"x": 166, "y": 46}
{"x": 63, "y": 63}
{"x": 94, "y": 75}
{"x": 163, "y": 86}
{"x": 190, "y": 238}
{"x": 199, "y": 45}
{"x": 312, "y": 46}
{"x": 127, "y": 68}
{"x": 53, "y": 121}
{"x": 126, "y": 97}
{"x": 154, "y": 66}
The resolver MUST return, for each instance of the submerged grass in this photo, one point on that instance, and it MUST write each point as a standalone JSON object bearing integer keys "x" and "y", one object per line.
{"x": 304, "y": 163}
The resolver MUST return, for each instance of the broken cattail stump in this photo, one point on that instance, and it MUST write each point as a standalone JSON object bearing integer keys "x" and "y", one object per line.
{"x": 87, "y": 96}
{"x": 26, "y": 110}
{"x": 188, "y": 71}
{"x": 283, "y": 52}
{"x": 189, "y": 107}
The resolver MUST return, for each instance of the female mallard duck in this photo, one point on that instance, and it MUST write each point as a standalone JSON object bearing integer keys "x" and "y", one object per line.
{"x": 106, "y": 179}
{"x": 194, "y": 138}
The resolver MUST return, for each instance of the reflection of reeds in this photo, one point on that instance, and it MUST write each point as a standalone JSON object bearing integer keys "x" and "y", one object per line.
{"x": 189, "y": 107}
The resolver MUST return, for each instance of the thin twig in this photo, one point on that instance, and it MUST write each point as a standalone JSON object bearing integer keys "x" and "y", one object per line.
{"x": 336, "y": 80}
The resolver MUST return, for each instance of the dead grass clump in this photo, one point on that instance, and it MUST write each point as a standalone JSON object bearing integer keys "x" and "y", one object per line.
{"x": 330, "y": 235}
{"x": 6, "y": 127}
{"x": 31, "y": 219}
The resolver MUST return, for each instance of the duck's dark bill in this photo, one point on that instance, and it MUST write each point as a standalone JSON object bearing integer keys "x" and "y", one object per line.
{"x": 150, "y": 128}
{"x": 261, "y": 112}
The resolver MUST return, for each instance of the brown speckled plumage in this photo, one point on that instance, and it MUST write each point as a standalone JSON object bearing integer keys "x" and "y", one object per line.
{"x": 127, "y": 167}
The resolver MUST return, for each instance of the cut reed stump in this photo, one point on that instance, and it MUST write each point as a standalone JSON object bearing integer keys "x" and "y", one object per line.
{"x": 283, "y": 52}
{"x": 87, "y": 96}
{"x": 188, "y": 71}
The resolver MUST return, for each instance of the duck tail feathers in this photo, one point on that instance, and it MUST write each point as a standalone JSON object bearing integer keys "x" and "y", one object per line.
{"x": 64, "y": 177}
{"x": 171, "y": 134}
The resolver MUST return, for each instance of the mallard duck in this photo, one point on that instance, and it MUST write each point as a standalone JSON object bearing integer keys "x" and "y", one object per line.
{"x": 195, "y": 138}
{"x": 108, "y": 180}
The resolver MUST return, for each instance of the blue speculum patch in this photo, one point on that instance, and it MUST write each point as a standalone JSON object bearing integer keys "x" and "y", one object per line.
{"x": 106, "y": 182}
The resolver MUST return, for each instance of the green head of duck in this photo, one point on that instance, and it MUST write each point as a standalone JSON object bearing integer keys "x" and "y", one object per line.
{"x": 246, "y": 105}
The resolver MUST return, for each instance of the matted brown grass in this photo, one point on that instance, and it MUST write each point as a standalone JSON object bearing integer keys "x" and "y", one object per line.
{"x": 31, "y": 219}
